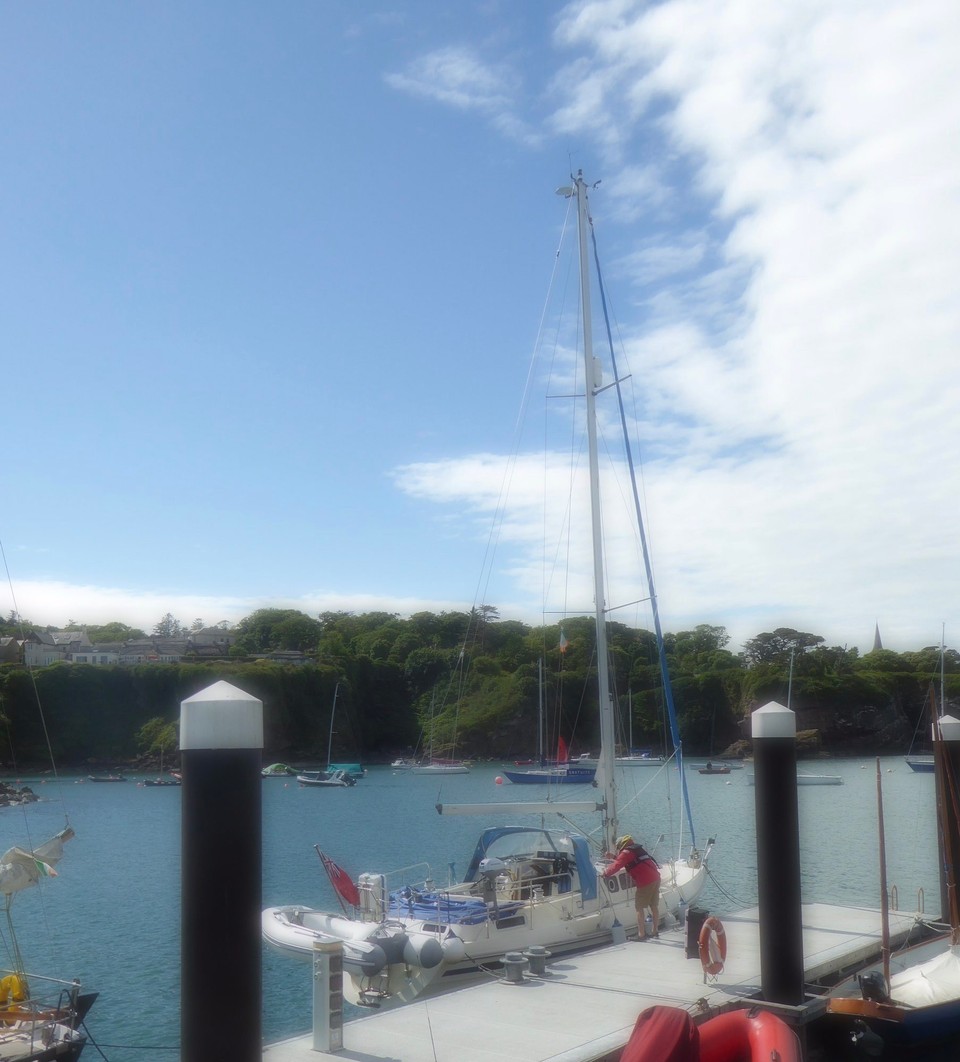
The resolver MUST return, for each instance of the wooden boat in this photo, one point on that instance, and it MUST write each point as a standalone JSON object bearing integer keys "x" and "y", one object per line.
{"x": 106, "y": 777}
{"x": 914, "y": 997}
{"x": 712, "y": 768}
{"x": 740, "y": 1035}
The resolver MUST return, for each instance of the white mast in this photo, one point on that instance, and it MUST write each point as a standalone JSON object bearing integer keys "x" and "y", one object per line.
{"x": 592, "y": 377}
{"x": 333, "y": 712}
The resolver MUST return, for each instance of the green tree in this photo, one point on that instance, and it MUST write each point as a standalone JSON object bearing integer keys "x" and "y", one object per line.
{"x": 113, "y": 632}
{"x": 168, "y": 627}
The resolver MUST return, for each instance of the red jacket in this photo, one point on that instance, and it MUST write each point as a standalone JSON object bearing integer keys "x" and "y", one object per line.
{"x": 637, "y": 862}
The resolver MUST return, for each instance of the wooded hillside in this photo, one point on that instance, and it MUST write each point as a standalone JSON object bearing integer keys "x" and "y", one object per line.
{"x": 470, "y": 682}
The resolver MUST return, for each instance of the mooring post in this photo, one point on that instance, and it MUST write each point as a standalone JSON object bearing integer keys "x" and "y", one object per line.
{"x": 774, "y": 729}
{"x": 947, "y": 768}
{"x": 221, "y": 738}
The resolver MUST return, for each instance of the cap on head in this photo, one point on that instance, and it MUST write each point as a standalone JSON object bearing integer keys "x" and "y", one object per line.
{"x": 623, "y": 841}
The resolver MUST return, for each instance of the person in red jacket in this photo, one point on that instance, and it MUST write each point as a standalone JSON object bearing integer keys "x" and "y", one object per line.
{"x": 645, "y": 872}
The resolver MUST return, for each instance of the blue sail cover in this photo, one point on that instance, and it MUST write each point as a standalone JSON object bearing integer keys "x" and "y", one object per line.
{"x": 505, "y": 841}
{"x": 443, "y": 908}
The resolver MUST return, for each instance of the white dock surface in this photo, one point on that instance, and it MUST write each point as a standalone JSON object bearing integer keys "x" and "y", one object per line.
{"x": 586, "y": 1005}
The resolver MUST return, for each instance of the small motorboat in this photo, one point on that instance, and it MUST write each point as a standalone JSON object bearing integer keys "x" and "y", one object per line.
{"x": 712, "y": 768}
{"x": 278, "y": 770}
{"x": 328, "y": 779}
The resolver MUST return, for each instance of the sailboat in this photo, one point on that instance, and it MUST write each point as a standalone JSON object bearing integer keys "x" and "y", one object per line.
{"x": 922, "y": 762}
{"x": 550, "y": 772}
{"x": 432, "y": 764}
{"x": 40, "y": 1017}
{"x": 526, "y": 885}
{"x": 336, "y": 775}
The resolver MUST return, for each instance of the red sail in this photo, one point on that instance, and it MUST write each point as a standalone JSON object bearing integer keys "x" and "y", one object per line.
{"x": 562, "y": 754}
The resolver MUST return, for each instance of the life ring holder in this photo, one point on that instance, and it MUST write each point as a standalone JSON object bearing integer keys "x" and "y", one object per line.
{"x": 713, "y": 947}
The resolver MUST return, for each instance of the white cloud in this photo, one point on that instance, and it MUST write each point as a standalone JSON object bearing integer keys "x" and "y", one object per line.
{"x": 799, "y": 390}
{"x": 457, "y": 76}
{"x": 52, "y": 603}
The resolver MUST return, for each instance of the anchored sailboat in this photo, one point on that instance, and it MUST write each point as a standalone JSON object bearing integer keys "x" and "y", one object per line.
{"x": 526, "y": 885}
{"x": 337, "y": 775}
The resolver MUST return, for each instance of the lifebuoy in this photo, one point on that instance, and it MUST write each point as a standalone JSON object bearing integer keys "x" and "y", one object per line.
{"x": 713, "y": 946}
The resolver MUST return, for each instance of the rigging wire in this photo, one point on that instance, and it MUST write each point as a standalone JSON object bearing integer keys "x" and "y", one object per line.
{"x": 33, "y": 682}
{"x": 664, "y": 667}
{"x": 16, "y": 955}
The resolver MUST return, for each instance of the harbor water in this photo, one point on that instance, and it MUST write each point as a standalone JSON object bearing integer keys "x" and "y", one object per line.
{"x": 112, "y": 916}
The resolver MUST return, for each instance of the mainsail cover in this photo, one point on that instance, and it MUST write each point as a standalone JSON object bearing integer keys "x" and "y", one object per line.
{"x": 19, "y": 869}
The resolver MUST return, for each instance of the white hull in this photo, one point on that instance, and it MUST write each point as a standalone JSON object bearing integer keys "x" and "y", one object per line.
{"x": 441, "y": 768}
{"x": 810, "y": 779}
{"x": 518, "y": 903}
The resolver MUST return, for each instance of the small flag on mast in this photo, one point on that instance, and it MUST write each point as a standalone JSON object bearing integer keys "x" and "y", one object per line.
{"x": 340, "y": 879}
{"x": 563, "y": 641}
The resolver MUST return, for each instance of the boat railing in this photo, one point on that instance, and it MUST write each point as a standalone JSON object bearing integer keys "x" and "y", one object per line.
{"x": 419, "y": 874}
{"x": 31, "y": 1020}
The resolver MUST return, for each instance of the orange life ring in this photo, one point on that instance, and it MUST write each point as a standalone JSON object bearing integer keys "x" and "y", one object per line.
{"x": 713, "y": 946}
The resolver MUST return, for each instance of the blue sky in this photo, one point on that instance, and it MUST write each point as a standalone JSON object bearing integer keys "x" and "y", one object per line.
{"x": 272, "y": 275}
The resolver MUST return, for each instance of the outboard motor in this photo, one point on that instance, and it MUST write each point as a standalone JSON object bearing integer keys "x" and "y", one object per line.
{"x": 373, "y": 897}
{"x": 874, "y": 987}
{"x": 490, "y": 869}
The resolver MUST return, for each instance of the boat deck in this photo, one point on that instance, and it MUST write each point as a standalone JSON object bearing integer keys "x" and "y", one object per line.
{"x": 585, "y": 1006}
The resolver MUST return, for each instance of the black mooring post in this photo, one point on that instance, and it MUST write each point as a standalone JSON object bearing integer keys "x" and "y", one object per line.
{"x": 774, "y": 730}
{"x": 947, "y": 768}
{"x": 221, "y": 740}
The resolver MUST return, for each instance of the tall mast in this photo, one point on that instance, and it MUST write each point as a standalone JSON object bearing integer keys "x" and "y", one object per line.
{"x": 333, "y": 712}
{"x": 592, "y": 379}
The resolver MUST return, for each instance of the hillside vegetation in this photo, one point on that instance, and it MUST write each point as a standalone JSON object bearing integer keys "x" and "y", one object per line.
{"x": 470, "y": 682}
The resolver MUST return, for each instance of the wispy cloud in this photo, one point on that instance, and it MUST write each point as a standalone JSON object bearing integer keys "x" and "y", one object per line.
{"x": 793, "y": 168}
{"x": 457, "y": 76}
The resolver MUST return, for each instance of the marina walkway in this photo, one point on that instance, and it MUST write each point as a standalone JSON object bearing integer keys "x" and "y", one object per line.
{"x": 584, "y": 1008}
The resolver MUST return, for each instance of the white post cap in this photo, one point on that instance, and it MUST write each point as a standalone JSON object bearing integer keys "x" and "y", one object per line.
{"x": 774, "y": 721}
{"x": 221, "y": 717}
{"x": 949, "y": 728}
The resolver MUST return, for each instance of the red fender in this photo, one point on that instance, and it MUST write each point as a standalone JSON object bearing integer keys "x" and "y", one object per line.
{"x": 745, "y": 1036}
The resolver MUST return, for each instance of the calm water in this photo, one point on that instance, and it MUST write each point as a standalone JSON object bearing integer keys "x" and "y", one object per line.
{"x": 112, "y": 917}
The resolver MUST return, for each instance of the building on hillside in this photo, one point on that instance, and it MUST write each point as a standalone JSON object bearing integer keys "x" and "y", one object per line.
{"x": 153, "y": 651}
{"x": 217, "y": 636}
{"x": 43, "y": 648}
{"x": 11, "y": 650}
{"x": 98, "y": 655}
